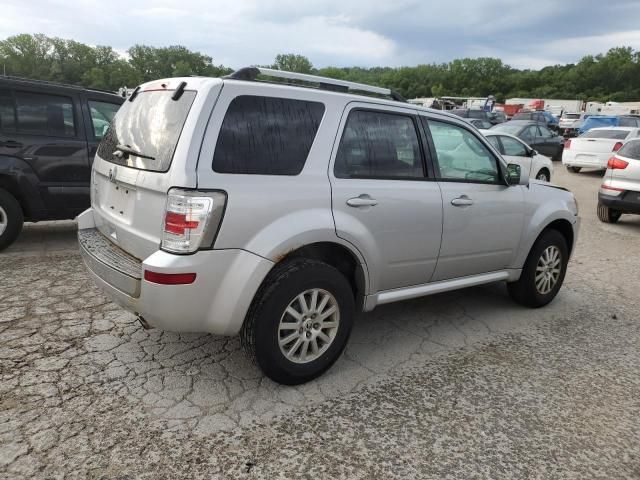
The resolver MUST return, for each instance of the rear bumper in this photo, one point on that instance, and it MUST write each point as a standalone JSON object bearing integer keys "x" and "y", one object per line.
{"x": 217, "y": 302}
{"x": 628, "y": 202}
{"x": 571, "y": 159}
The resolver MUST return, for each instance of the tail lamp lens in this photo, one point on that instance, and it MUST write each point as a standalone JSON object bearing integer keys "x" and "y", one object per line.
{"x": 191, "y": 219}
{"x": 615, "y": 163}
{"x": 567, "y": 144}
{"x": 617, "y": 146}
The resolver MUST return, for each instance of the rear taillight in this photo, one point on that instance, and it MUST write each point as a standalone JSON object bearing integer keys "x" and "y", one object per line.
{"x": 191, "y": 219}
{"x": 567, "y": 144}
{"x": 617, "y": 146}
{"x": 615, "y": 163}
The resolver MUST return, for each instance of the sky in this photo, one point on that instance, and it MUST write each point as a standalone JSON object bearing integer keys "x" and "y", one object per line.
{"x": 236, "y": 33}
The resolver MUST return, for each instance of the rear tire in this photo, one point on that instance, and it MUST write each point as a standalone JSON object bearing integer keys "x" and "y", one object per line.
{"x": 574, "y": 169}
{"x": 293, "y": 343}
{"x": 608, "y": 215}
{"x": 543, "y": 272}
{"x": 11, "y": 219}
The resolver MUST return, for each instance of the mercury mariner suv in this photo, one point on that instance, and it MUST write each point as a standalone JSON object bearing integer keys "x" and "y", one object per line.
{"x": 278, "y": 210}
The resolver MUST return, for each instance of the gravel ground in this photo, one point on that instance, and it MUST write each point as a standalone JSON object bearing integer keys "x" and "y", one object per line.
{"x": 458, "y": 385}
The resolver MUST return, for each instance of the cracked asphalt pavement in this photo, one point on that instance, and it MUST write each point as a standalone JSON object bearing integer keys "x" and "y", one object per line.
{"x": 458, "y": 385}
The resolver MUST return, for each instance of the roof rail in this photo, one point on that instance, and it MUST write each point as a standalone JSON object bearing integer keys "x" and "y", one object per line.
{"x": 325, "y": 83}
{"x": 52, "y": 83}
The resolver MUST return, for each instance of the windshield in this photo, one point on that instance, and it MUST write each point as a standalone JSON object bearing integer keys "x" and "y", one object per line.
{"x": 508, "y": 128}
{"x": 612, "y": 134}
{"x": 150, "y": 125}
{"x": 630, "y": 150}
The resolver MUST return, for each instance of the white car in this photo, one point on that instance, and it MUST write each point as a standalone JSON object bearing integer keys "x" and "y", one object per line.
{"x": 594, "y": 148}
{"x": 620, "y": 189}
{"x": 515, "y": 150}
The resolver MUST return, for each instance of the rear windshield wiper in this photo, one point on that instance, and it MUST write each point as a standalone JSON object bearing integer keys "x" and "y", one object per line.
{"x": 123, "y": 151}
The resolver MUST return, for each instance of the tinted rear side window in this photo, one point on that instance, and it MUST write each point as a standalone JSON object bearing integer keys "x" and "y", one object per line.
{"x": 630, "y": 150}
{"x": 40, "y": 114}
{"x": 379, "y": 145}
{"x": 266, "y": 135}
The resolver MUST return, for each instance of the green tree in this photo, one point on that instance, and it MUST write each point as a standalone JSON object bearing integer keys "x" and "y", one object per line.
{"x": 293, "y": 63}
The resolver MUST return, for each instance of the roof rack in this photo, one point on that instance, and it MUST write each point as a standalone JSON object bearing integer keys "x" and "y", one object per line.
{"x": 57, "y": 84}
{"x": 324, "y": 83}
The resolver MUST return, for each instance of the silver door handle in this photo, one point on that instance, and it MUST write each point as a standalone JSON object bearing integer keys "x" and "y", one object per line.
{"x": 362, "y": 201}
{"x": 462, "y": 201}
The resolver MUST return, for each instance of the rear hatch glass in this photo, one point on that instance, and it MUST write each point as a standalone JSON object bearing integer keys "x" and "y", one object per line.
{"x": 144, "y": 133}
{"x": 630, "y": 150}
{"x": 610, "y": 134}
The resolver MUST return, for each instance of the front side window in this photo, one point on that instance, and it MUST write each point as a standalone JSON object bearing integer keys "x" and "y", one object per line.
{"x": 148, "y": 126}
{"x": 7, "y": 112}
{"x": 379, "y": 145}
{"x": 513, "y": 147}
{"x": 544, "y": 132}
{"x": 529, "y": 134}
{"x": 495, "y": 143}
{"x": 461, "y": 156}
{"x": 41, "y": 114}
{"x": 102, "y": 114}
{"x": 266, "y": 135}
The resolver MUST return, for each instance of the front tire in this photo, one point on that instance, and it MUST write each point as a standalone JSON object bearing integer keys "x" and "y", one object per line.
{"x": 543, "y": 272}
{"x": 608, "y": 215}
{"x": 11, "y": 219}
{"x": 543, "y": 175}
{"x": 299, "y": 321}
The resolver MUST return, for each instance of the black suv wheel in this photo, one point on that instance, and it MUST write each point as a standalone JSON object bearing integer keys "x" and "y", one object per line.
{"x": 11, "y": 219}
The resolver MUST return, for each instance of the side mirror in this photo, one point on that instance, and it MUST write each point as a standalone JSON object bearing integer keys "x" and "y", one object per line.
{"x": 513, "y": 174}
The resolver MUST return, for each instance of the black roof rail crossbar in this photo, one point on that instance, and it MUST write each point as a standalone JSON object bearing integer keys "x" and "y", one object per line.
{"x": 326, "y": 83}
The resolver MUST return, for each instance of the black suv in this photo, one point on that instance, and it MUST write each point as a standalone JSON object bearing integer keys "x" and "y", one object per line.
{"x": 48, "y": 137}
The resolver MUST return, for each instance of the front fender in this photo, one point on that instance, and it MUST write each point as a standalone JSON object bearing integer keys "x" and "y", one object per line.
{"x": 546, "y": 205}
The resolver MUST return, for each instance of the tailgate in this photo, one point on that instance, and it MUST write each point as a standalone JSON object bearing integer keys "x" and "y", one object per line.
{"x": 129, "y": 206}
{"x": 593, "y": 145}
{"x": 151, "y": 146}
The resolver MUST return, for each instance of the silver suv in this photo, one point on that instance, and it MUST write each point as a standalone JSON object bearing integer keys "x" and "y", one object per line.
{"x": 278, "y": 211}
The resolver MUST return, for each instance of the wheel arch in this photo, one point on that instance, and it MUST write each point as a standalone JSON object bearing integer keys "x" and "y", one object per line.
{"x": 565, "y": 228}
{"x": 339, "y": 256}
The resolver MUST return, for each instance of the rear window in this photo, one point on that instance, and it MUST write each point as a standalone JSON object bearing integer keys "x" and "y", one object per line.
{"x": 522, "y": 116}
{"x": 572, "y": 116}
{"x": 150, "y": 125}
{"x": 477, "y": 114}
{"x": 266, "y": 135}
{"x": 630, "y": 150}
{"x": 611, "y": 134}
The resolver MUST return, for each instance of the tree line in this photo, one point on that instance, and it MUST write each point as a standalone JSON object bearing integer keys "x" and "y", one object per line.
{"x": 613, "y": 76}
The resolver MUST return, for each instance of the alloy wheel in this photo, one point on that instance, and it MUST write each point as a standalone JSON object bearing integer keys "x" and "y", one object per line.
{"x": 308, "y": 325}
{"x": 548, "y": 269}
